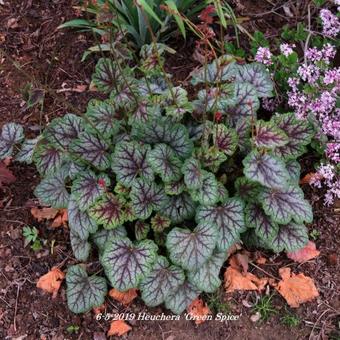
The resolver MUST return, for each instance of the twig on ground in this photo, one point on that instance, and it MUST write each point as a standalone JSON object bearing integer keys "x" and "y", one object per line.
{"x": 265, "y": 272}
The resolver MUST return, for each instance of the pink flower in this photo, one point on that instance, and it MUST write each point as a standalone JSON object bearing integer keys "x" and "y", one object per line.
{"x": 332, "y": 76}
{"x": 313, "y": 54}
{"x": 333, "y": 152}
{"x": 309, "y": 73}
{"x": 328, "y": 52}
{"x": 293, "y": 83}
{"x": 330, "y": 23}
{"x": 287, "y": 49}
{"x": 264, "y": 56}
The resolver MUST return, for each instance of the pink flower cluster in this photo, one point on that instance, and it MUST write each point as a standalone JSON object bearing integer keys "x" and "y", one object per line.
{"x": 287, "y": 49}
{"x": 321, "y": 102}
{"x": 326, "y": 175}
{"x": 264, "y": 56}
{"x": 326, "y": 54}
{"x": 313, "y": 94}
{"x": 337, "y": 2}
{"x": 330, "y": 23}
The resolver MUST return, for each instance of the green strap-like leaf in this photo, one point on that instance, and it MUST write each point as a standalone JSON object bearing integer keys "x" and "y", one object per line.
{"x": 84, "y": 292}
{"x": 126, "y": 264}
{"x": 162, "y": 281}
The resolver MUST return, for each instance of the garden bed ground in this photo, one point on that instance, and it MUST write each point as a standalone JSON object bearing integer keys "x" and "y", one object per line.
{"x": 51, "y": 58}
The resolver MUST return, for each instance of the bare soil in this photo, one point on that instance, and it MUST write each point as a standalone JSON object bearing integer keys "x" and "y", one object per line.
{"x": 51, "y": 58}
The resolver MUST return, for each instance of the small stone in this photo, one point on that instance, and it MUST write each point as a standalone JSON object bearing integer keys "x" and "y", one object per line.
{"x": 255, "y": 317}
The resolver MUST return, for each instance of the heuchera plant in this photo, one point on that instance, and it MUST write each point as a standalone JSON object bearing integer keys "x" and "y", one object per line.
{"x": 161, "y": 186}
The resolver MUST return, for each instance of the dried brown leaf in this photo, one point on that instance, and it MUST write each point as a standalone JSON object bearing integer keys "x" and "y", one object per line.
{"x": 123, "y": 297}
{"x": 235, "y": 280}
{"x": 198, "y": 311}
{"x": 51, "y": 281}
{"x": 305, "y": 254}
{"x": 118, "y": 327}
{"x": 296, "y": 288}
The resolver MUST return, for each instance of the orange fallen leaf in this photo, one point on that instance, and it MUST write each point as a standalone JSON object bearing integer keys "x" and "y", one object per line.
{"x": 51, "y": 281}
{"x": 307, "y": 178}
{"x": 198, "y": 311}
{"x": 99, "y": 309}
{"x": 261, "y": 260}
{"x": 44, "y": 213}
{"x": 305, "y": 254}
{"x": 296, "y": 288}
{"x": 59, "y": 216}
{"x": 60, "y": 219}
{"x": 240, "y": 261}
{"x": 235, "y": 280}
{"x": 123, "y": 297}
{"x": 118, "y": 327}
{"x": 233, "y": 249}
